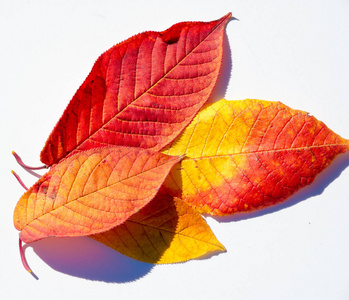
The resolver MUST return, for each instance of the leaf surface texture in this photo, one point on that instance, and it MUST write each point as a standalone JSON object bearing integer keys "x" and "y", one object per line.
{"x": 245, "y": 155}
{"x": 90, "y": 192}
{"x": 142, "y": 92}
{"x": 167, "y": 230}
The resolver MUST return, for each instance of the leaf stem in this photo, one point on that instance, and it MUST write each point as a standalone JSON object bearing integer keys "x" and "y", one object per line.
{"x": 24, "y": 166}
{"x": 19, "y": 180}
{"x": 24, "y": 261}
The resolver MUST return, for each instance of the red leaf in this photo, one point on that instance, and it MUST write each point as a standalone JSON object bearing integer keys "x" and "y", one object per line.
{"x": 142, "y": 92}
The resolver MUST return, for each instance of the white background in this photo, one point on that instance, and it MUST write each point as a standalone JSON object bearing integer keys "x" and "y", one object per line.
{"x": 296, "y": 52}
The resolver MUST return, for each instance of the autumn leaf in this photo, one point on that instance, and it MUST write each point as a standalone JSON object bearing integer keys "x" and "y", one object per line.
{"x": 109, "y": 180}
{"x": 245, "y": 155}
{"x": 91, "y": 192}
{"x": 142, "y": 92}
{"x": 167, "y": 230}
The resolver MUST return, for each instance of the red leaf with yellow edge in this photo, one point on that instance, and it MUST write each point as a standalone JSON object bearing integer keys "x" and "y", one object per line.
{"x": 90, "y": 192}
{"x": 245, "y": 155}
{"x": 142, "y": 92}
{"x": 167, "y": 230}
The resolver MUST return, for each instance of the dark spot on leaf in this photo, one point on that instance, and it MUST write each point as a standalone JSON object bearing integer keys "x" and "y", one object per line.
{"x": 53, "y": 193}
{"x": 44, "y": 188}
{"x": 171, "y": 36}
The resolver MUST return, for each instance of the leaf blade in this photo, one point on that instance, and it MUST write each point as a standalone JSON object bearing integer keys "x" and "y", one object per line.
{"x": 246, "y": 155}
{"x": 167, "y": 230}
{"x": 91, "y": 192}
{"x": 135, "y": 89}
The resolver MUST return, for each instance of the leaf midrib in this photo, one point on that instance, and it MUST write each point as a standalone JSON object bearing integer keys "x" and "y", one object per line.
{"x": 264, "y": 151}
{"x": 88, "y": 194}
{"x": 172, "y": 232}
{"x": 151, "y": 87}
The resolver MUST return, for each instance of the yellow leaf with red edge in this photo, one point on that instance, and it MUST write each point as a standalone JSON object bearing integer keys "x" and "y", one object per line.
{"x": 246, "y": 155}
{"x": 167, "y": 230}
{"x": 91, "y": 192}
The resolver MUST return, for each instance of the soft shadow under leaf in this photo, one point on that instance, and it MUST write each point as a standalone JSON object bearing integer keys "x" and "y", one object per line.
{"x": 85, "y": 258}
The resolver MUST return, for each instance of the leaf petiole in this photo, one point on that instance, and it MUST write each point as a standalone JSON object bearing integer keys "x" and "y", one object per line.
{"x": 21, "y": 251}
{"x": 24, "y": 261}
{"x": 24, "y": 166}
{"x": 19, "y": 180}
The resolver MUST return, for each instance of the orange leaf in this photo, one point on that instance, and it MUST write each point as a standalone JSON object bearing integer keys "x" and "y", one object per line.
{"x": 91, "y": 192}
{"x": 245, "y": 155}
{"x": 142, "y": 92}
{"x": 167, "y": 230}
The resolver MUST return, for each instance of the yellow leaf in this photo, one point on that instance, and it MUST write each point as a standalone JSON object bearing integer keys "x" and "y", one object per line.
{"x": 245, "y": 155}
{"x": 167, "y": 230}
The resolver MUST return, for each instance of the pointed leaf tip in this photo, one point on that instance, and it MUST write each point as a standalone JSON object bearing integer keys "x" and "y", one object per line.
{"x": 165, "y": 231}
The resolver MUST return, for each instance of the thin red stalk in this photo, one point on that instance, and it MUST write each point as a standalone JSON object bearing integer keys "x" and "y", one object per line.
{"x": 19, "y": 179}
{"x": 23, "y": 165}
{"x": 24, "y": 261}
{"x": 21, "y": 251}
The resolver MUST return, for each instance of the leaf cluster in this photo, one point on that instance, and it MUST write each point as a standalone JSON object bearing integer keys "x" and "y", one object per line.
{"x": 138, "y": 155}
